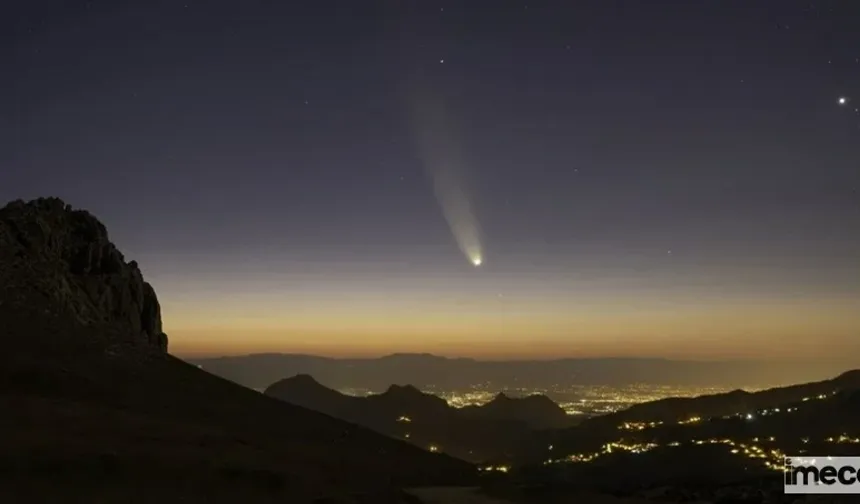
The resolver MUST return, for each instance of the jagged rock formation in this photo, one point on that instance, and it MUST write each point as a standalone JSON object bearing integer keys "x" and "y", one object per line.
{"x": 57, "y": 262}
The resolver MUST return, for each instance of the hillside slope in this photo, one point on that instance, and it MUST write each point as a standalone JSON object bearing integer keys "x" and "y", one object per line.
{"x": 95, "y": 406}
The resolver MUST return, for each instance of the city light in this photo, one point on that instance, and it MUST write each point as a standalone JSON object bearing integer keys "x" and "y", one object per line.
{"x": 501, "y": 468}
{"x": 692, "y": 420}
{"x": 753, "y": 449}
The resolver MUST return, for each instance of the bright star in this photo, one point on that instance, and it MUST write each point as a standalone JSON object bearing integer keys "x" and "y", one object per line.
{"x": 477, "y": 261}
{"x": 843, "y": 100}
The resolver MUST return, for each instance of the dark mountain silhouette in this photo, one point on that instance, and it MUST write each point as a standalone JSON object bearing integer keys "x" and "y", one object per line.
{"x": 427, "y": 371}
{"x": 537, "y": 411}
{"x": 474, "y": 433}
{"x": 410, "y": 398}
{"x": 94, "y": 409}
{"x": 308, "y": 393}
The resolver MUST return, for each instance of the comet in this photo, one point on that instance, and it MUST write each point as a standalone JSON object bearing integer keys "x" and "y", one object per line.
{"x": 443, "y": 162}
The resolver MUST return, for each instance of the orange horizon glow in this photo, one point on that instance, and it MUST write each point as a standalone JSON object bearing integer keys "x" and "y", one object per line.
{"x": 712, "y": 330}
{"x": 503, "y": 310}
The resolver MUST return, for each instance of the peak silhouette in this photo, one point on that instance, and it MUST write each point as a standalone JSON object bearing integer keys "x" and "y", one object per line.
{"x": 305, "y": 380}
{"x": 58, "y": 263}
{"x": 538, "y": 411}
{"x": 848, "y": 379}
{"x": 404, "y": 391}
{"x": 474, "y": 433}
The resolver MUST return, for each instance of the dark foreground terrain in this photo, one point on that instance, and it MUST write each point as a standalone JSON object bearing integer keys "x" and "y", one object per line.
{"x": 124, "y": 426}
{"x": 96, "y": 410}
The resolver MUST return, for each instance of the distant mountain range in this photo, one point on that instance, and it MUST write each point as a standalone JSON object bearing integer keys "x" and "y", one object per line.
{"x": 427, "y": 371}
{"x": 473, "y": 433}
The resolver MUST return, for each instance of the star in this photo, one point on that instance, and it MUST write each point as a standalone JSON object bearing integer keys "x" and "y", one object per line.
{"x": 441, "y": 61}
{"x": 843, "y": 100}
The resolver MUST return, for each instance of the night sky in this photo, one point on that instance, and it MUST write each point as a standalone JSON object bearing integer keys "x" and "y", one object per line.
{"x": 654, "y": 178}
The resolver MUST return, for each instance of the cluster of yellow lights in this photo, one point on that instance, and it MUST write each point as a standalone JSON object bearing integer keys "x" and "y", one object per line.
{"x": 595, "y": 399}
{"x": 577, "y": 457}
{"x": 434, "y": 448}
{"x": 404, "y": 419}
{"x": 819, "y": 396}
{"x": 773, "y": 458}
{"x": 607, "y": 449}
{"x": 691, "y": 420}
{"x": 473, "y": 398}
{"x": 500, "y": 468}
{"x": 638, "y": 426}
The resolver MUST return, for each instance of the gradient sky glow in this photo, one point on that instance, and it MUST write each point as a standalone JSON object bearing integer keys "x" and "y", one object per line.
{"x": 677, "y": 181}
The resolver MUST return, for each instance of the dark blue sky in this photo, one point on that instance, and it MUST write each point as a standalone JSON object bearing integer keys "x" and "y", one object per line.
{"x": 620, "y": 157}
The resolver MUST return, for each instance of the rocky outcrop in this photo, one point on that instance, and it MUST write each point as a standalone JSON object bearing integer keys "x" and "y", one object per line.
{"x": 59, "y": 262}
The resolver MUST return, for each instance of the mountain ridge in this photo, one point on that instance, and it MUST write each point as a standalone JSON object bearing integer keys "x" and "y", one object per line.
{"x": 428, "y": 371}
{"x": 473, "y": 433}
